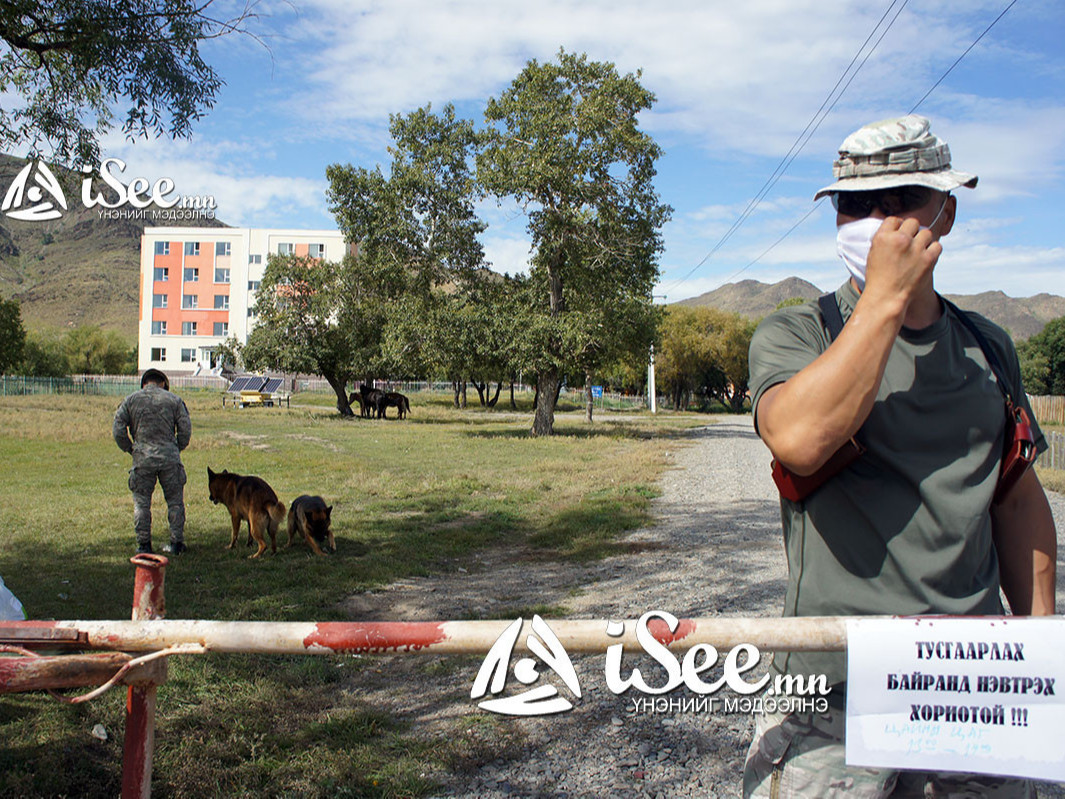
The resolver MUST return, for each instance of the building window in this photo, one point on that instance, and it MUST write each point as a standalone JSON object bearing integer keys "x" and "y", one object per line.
{"x": 223, "y": 248}
{"x": 221, "y": 328}
{"x": 253, "y": 285}
{"x": 158, "y": 300}
{"x": 316, "y": 250}
{"x": 158, "y": 328}
{"x": 189, "y": 301}
{"x": 188, "y": 328}
{"x": 162, "y": 248}
{"x": 158, "y": 353}
{"x": 286, "y": 248}
{"x": 255, "y": 259}
{"x": 161, "y": 274}
{"x": 221, "y": 302}
{"x": 221, "y": 275}
{"x": 192, "y": 274}
{"x": 192, "y": 248}
{"x": 251, "y": 313}
{"x": 188, "y": 355}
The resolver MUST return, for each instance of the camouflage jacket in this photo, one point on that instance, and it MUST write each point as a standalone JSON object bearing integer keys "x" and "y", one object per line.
{"x": 158, "y": 423}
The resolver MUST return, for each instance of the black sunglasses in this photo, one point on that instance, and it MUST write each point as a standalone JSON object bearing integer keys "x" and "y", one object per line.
{"x": 899, "y": 200}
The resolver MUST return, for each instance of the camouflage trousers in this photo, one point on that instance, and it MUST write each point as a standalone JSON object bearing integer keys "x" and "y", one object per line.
{"x": 802, "y": 755}
{"x": 171, "y": 477}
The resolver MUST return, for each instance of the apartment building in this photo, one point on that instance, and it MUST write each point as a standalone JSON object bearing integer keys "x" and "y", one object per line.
{"x": 198, "y": 287}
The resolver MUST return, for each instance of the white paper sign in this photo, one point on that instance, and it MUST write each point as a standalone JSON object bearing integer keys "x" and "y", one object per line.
{"x": 981, "y": 695}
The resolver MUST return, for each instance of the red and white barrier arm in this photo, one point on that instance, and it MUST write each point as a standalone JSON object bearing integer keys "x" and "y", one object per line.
{"x": 807, "y": 634}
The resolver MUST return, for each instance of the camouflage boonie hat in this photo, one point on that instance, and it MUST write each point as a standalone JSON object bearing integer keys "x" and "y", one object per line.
{"x": 895, "y": 152}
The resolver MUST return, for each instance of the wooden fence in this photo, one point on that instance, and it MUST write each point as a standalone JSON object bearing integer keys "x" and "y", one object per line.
{"x": 1048, "y": 410}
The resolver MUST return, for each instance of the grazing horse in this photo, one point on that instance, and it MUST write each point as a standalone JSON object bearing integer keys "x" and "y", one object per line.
{"x": 399, "y": 401}
{"x": 357, "y": 397}
{"x": 373, "y": 402}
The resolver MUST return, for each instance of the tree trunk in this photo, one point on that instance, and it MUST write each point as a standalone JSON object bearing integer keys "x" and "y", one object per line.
{"x": 455, "y": 389}
{"x": 513, "y": 404}
{"x": 589, "y": 402}
{"x": 339, "y": 386}
{"x": 492, "y": 402}
{"x": 480, "y": 391}
{"x": 536, "y": 396}
{"x": 463, "y": 384}
{"x": 548, "y": 385}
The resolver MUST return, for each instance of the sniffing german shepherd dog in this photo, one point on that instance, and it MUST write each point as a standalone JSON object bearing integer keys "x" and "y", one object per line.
{"x": 310, "y": 516}
{"x": 249, "y": 498}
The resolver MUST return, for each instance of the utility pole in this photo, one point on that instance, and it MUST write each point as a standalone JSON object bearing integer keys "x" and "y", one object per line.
{"x": 652, "y": 396}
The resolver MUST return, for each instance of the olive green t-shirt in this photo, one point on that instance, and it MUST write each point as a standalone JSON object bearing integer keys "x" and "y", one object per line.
{"x": 905, "y": 529}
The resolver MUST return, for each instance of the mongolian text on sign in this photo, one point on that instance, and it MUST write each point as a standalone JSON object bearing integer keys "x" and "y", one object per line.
{"x": 973, "y": 695}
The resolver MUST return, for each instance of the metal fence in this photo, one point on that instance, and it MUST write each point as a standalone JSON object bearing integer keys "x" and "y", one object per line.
{"x": 105, "y": 385}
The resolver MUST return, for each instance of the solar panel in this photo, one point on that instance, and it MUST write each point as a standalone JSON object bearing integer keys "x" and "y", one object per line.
{"x": 238, "y": 385}
{"x": 255, "y": 383}
{"x": 272, "y": 385}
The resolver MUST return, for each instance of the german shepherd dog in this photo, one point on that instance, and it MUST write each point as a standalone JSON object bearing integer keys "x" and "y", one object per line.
{"x": 249, "y": 498}
{"x": 310, "y": 516}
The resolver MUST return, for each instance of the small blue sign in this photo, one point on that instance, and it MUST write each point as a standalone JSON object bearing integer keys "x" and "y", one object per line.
{"x": 597, "y": 392}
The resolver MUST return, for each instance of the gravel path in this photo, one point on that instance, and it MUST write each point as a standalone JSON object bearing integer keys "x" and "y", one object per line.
{"x": 716, "y": 550}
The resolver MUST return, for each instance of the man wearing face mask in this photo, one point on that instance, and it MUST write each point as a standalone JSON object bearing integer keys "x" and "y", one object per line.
{"x": 911, "y": 525}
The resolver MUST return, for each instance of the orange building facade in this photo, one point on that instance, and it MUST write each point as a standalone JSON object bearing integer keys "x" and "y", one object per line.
{"x": 198, "y": 287}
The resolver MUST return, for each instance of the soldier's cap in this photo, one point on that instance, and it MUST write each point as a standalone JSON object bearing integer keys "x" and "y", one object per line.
{"x": 895, "y": 152}
{"x": 155, "y": 376}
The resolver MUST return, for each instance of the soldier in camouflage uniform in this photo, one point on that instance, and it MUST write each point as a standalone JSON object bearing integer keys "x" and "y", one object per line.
{"x": 909, "y": 527}
{"x": 159, "y": 425}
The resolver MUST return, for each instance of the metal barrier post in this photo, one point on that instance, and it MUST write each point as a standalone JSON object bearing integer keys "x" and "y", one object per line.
{"x": 149, "y": 602}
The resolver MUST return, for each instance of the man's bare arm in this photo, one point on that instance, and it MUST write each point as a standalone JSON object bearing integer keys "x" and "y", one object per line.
{"x": 1027, "y": 545}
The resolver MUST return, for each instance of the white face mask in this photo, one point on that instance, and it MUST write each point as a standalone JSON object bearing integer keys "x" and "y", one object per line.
{"x": 854, "y": 239}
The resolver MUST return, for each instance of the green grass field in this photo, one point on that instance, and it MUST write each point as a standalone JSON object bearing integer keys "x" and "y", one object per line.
{"x": 409, "y": 498}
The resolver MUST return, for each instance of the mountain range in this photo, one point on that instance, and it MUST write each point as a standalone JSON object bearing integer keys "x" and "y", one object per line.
{"x": 1023, "y": 317}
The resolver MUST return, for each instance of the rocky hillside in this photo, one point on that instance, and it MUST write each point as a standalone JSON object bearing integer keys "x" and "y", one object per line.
{"x": 1022, "y": 316}
{"x": 78, "y": 269}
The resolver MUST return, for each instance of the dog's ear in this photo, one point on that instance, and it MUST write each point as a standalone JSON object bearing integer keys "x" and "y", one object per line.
{"x": 328, "y": 511}
{"x": 210, "y": 474}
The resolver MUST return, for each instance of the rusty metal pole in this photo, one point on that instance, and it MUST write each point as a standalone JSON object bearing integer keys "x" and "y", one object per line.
{"x": 149, "y": 603}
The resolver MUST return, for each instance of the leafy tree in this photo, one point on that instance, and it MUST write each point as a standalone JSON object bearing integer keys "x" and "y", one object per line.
{"x": 298, "y": 326}
{"x": 72, "y": 61}
{"x": 1048, "y": 346}
{"x": 12, "y": 335}
{"x": 563, "y": 141}
{"x": 44, "y": 355}
{"x": 789, "y": 302}
{"x": 704, "y": 352}
{"x": 421, "y": 218}
{"x": 91, "y": 350}
{"x": 1035, "y": 368}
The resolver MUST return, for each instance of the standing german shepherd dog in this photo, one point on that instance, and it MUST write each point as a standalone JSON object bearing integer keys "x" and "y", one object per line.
{"x": 249, "y": 498}
{"x": 310, "y": 516}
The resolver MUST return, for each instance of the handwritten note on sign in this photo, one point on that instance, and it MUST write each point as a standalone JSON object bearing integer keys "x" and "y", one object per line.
{"x": 981, "y": 695}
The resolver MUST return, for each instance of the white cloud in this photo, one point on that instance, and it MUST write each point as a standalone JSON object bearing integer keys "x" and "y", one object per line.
{"x": 245, "y": 195}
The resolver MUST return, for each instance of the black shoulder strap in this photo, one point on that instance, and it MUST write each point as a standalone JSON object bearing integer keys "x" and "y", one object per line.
{"x": 985, "y": 347}
{"x": 831, "y": 314}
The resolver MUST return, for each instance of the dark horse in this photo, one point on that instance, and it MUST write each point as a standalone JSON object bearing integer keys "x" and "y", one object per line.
{"x": 396, "y": 400}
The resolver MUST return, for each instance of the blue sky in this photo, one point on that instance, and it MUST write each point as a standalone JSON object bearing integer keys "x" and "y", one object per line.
{"x": 736, "y": 85}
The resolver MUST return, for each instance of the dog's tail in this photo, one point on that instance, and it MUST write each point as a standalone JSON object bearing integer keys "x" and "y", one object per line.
{"x": 277, "y": 514}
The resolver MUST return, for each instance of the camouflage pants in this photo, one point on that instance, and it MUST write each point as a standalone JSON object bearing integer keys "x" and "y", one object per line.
{"x": 171, "y": 477}
{"x": 802, "y": 755}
